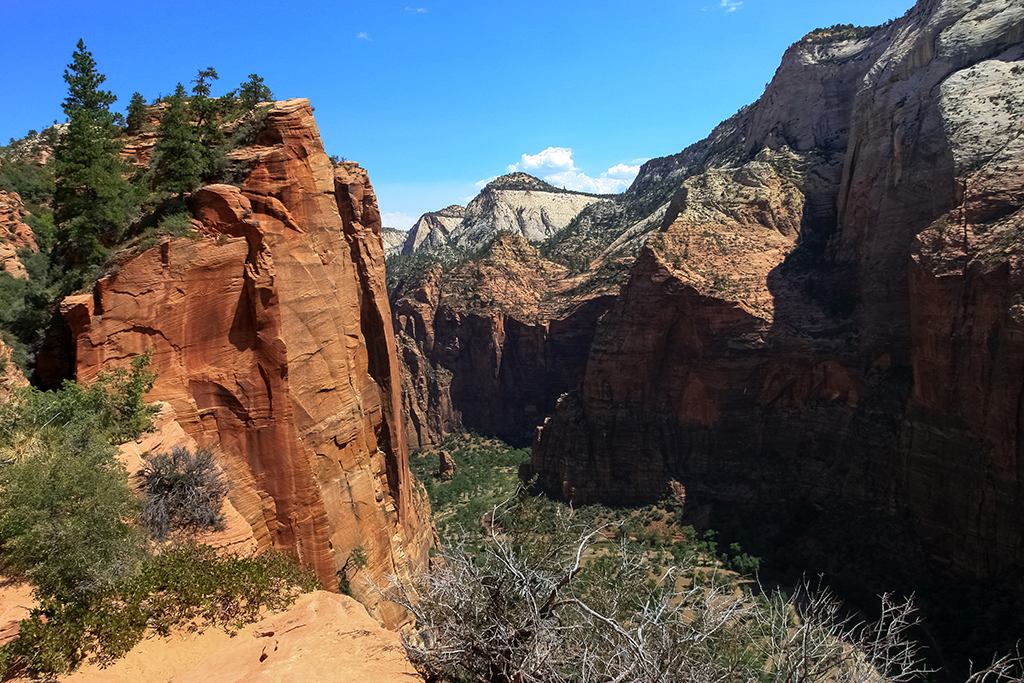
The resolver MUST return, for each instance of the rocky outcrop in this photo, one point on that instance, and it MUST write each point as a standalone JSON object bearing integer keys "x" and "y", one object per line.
{"x": 432, "y": 230}
{"x": 11, "y": 377}
{"x": 15, "y": 234}
{"x": 491, "y": 345}
{"x": 516, "y": 203}
{"x": 394, "y": 240}
{"x": 273, "y": 342}
{"x": 830, "y": 319}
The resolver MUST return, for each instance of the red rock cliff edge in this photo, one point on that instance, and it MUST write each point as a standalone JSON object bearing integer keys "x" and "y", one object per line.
{"x": 273, "y": 344}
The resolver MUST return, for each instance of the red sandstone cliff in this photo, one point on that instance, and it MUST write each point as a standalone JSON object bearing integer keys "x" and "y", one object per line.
{"x": 832, "y": 320}
{"x": 273, "y": 343}
{"x": 15, "y": 234}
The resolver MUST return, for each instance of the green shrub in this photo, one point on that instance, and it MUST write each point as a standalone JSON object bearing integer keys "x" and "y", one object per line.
{"x": 178, "y": 224}
{"x": 66, "y": 512}
{"x": 184, "y": 491}
{"x": 184, "y": 585}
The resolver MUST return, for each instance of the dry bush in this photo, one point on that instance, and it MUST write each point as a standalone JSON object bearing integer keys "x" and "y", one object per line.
{"x": 564, "y": 606}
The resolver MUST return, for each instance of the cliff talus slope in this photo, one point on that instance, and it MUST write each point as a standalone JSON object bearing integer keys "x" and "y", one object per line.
{"x": 272, "y": 339}
{"x": 830, "y": 317}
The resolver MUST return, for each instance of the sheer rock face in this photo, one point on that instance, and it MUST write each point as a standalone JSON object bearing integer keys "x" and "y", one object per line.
{"x": 15, "y": 234}
{"x": 491, "y": 345}
{"x": 841, "y": 329}
{"x": 273, "y": 342}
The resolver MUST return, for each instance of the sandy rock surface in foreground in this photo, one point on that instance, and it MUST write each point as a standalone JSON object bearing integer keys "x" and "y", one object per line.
{"x": 323, "y": 637}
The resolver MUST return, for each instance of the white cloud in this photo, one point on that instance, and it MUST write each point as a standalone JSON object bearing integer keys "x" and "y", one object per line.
{"x": 416, "y": 10}
{"x": 552, "y": 159}
{"x": 480, "y": 184}
{"x": 364, "y": 35}
{"x": 397, "y": 219}
{"x": 555, "y": 165}
{"x": 730, "y": 5}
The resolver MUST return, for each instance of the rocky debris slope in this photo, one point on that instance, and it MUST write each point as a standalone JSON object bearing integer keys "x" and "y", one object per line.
{"x": 830, "y": 319}
{"x": 322, "y": 637}
{"x": 273, "y": 342}
{"x": 517, "y": 203}
{"x": 493, "y": 343}
{"x": 15, "y": 234}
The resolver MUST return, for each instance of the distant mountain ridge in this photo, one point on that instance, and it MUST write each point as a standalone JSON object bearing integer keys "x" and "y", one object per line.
{"x": 516, "y": 202}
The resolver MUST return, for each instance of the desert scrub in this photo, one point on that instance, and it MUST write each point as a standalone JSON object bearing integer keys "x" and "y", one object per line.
{"x": 184, "y": 491}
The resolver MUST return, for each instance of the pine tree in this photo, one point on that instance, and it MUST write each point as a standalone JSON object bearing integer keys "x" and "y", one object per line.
{"x": 178, "y": 155}
{"x": 136, "y": 112}
{"x": 252, "y": 92}
{"x": 93, "y": 202}
{"x": 206, "y": 112}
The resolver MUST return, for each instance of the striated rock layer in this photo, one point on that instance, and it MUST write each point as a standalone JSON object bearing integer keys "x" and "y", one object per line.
{"x": 273, "y": 342}
{"x": 832, "y": 321}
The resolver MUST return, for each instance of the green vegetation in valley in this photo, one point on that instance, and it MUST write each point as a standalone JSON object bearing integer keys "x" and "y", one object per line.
{"x": 486, "y": 473}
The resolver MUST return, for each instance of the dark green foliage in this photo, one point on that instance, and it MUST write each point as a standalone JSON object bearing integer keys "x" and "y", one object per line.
{"x": 93, "y": 203}
{"x": 410, "y": 267}
{"x": 177, "y": 156}
{"x": 25, "y": 304}
{"x": 252, "y": 92}
{"x": 70, "y": 524}
{"x": 66, "y": 512}
{"x": 184, "y": 491}
{"x": 136, "y": 112}
{"x": 206, "y": 114}
{"x": 35, "y": 184}
{"x": 202, "y": 82}
{"x": 190, "y": 581}
{"x": 121, "y": 393}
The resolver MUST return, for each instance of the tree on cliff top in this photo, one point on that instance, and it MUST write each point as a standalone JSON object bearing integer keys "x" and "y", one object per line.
{"x": 93, "y": 202}
{"x": 252, "y": 92}
{"x": 177, "y": 156}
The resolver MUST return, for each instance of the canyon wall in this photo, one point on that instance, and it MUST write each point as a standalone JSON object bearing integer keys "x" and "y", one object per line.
{"x": 492, "y": 344}
{"x": 831, "y": 320}
{"x": 272, "y": 337}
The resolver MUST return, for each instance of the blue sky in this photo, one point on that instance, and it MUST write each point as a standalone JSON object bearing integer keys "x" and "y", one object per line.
{"x": 435, "y": 97}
